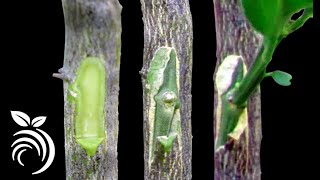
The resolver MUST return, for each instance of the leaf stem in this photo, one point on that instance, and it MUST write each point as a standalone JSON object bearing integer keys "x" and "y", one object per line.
{"x": 257, "y": 71}
{"x": 255, "y": 74}
{"x": 268, "y": 74}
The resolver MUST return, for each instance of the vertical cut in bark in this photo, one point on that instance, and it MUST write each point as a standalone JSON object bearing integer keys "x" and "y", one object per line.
{"x": 241, "y": 159}
{"x": 93, "y": 29}
{"x": 169, "y": 23}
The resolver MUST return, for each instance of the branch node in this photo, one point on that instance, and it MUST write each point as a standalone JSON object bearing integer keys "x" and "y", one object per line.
{"x": 61, "y": 76}
{"x": 58, "y": 75}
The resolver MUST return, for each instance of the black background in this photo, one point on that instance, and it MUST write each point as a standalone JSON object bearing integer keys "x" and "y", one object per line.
{"x": 33, "y": 39}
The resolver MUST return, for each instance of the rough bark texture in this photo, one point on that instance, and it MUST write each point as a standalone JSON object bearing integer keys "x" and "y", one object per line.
{"x": 93, "y": 28}
{"x": 239, "y": 160}
{"x": 169, "y": 23}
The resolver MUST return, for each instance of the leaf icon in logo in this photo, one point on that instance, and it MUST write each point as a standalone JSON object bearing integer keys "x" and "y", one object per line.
{"x": 38, "y": 121}
{"x": 21, "y": 118}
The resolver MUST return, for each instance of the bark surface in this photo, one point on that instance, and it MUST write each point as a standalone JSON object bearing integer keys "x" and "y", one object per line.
{"x": 92, "y": 28}
{"x": 241, "y": 159}
{"x": 169, "y": 23}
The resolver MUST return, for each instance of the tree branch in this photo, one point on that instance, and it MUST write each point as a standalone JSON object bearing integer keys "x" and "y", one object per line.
{"x": 93, "y": 29}
{"x": 240, "y": 159}
{"x": 168, "y": 23}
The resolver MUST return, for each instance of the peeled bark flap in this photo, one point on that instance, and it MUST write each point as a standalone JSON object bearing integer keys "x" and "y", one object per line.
{"x": 169, "y": 23}
{"x": 235, "y": 36}
{"x": 93, "y": 29}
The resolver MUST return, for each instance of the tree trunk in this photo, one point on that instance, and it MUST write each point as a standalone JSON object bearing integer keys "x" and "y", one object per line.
{"x": 93, "y": 29}
{"x": 235, "y": 36}
{"x": 169, "y": 23}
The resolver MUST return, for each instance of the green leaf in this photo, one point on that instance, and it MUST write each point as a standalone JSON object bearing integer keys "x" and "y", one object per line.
{"x": 293, "y": 6}
{"x": 282, "y": 78}
{"x": 264, "y": 15}
{"x": 269, "y": 17}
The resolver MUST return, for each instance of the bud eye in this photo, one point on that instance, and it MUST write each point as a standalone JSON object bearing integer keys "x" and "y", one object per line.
{"x": 169, "y": 97}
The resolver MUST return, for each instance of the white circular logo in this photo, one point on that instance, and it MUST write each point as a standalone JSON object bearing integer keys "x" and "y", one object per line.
{"x": 39, "y": 140}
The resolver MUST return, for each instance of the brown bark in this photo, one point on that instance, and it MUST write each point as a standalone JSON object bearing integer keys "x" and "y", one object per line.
{"x": 168, "y": 23}
{"x": 93, "y": 28}
{"x": 241, "y": 159}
